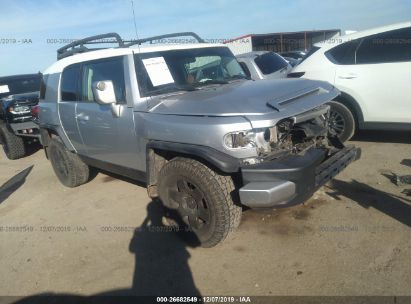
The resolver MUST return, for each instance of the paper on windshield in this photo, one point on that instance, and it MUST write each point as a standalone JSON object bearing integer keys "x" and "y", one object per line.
{"x": 4, "y": 89}
{"x": 158, "y": 71}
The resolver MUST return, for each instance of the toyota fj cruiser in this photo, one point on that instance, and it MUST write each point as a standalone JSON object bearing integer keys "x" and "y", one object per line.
{"x": 18, "y": 95}
{"x": 185, "y": 120}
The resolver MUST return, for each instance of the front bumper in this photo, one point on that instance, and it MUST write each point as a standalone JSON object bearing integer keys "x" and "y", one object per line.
{"x": 294, "y": 179}
{"x": 26, "y": 129}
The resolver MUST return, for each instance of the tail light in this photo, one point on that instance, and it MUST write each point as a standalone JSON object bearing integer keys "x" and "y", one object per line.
{"x": 35, "y": 111}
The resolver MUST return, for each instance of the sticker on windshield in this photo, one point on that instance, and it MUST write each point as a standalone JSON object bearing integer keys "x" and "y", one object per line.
{"x": 4, "y": 88}
{"x": 158, "y": 71}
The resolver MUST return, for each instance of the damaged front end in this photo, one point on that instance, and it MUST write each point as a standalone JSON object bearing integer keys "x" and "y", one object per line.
{"x": 290, "y": 136}
{"x": 295, "y": 135}
{"x": 295, "y": 158}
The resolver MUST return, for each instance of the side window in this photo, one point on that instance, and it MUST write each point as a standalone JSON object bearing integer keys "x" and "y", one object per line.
{"x": 344, "y": 53}
{"x": 69, "y": 80}
{"x": 103, "y": 70}
{"x": 393, "y": 46}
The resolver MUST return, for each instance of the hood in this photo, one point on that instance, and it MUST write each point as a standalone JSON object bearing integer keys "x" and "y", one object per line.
{"x": 280, "y": 97}
{"x": 29, "y": 99}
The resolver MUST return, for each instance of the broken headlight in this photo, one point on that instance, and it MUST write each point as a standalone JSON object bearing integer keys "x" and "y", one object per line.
{"x": 240, "y": 140}
{"x": 259, "y": 139}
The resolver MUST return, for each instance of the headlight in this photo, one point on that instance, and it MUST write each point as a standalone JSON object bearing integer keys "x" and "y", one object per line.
{"x": 19, "y": 109}
{"x": 257, "y": 138}
{"x": 240, "y": 140}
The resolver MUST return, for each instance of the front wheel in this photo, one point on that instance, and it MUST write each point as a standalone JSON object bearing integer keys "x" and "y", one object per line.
{"x": 341, "y": 122}
{"x": 13, "y": 145}
{"x": 202, "y": 197}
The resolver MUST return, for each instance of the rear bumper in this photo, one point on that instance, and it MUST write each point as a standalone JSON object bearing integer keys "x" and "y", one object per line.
{"x": 292, "y": 180}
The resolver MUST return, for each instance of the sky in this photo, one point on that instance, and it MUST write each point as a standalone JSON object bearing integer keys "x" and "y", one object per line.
{"x": 32, "y": 30}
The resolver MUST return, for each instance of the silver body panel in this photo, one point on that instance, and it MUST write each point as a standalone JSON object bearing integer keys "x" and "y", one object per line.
{"x": 267, "y": 194}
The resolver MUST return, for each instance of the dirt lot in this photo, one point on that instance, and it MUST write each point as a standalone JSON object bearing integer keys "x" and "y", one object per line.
{"x": 351, "y": 238}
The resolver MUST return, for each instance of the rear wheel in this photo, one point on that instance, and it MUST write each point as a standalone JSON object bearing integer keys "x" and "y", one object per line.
{"x": 202, "y": 198}
{"x": 342, "y": 122}
{"x": 13, "y": 145}
{"x": 69, "y": 168}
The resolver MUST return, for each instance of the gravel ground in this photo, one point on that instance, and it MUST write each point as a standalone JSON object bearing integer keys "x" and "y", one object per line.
{"x": 351, "y": 238}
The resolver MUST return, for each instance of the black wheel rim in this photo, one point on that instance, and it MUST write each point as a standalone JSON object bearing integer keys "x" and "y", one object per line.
{"x": 60, "y": 163}
{"x": 191, "y": 204}
{"x": 336, "y": 122}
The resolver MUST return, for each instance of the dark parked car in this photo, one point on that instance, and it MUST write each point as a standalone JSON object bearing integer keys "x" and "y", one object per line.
{"x": 294, "y": 54}
{"x": 18, "y": 96}
{"x": 293, "y": 62}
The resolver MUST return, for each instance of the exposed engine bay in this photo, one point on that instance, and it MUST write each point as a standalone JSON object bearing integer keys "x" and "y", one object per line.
{"x": 297, "y": 134}
{"x": 291, "y": 136}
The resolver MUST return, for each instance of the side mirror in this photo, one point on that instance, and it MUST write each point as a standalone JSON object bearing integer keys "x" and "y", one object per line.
{"x": 104, "y": 92}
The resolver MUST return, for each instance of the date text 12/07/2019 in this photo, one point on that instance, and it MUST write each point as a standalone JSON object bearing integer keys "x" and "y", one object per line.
{"x": 205, "y": 299}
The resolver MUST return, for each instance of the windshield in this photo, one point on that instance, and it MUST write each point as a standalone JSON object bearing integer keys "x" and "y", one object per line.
{"x": 176, "y": 70}
{"x": 270, "y": 62}
{"x": 19, "y": 86}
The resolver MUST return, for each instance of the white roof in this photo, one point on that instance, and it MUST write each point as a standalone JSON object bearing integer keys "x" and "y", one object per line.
{"x": 58, "y": 66}
{"x": 338, "y": 40}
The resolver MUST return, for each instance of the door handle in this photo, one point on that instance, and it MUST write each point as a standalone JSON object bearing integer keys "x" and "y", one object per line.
{"x": 83, "y": 117}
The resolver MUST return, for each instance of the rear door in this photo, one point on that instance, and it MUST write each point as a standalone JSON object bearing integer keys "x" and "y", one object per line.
{"x": 108, "y": 136}
{"x": 69, "y": 90}
{"x": 379, "y": 76}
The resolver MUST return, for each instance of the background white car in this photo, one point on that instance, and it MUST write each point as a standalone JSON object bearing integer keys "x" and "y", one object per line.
{"x": 372, "y": 69}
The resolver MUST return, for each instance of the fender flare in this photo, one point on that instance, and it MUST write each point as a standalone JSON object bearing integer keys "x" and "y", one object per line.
{"x": 218, "y": 159}
{"x": 354, "y": 106}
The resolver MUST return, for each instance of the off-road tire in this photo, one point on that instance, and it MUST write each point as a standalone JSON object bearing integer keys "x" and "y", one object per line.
{"x": 217, "y": 191}
{"x": 345, "y": 117}
{"x": 13, "y": 145}
{"x": 69, "y": 168}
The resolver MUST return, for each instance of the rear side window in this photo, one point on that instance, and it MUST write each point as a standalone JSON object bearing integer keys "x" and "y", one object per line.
{"x": 103, "y": 70}
{"x": 393, "y": 46}
{"x": 69, "y": 80}
{"x": 343, "y": 54}
{"x": 270, "y": 63}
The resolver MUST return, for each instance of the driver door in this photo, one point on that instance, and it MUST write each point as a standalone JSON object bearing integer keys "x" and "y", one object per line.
{"x": 108, "y": 136}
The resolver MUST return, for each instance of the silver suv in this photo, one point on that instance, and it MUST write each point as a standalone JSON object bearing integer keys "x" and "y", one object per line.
{"x": 185, "y": 120}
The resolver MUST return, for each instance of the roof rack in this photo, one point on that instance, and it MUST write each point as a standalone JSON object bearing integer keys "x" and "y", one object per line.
{"x": 78, "y": 46}
{"x": 154, "y": 38}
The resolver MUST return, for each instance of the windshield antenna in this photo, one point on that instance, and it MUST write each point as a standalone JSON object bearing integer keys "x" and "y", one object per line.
{"x": 135, "y": 23}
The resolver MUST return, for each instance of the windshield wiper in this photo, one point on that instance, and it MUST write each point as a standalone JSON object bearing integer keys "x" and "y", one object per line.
{"x": 211, "y": 81}
{"x": 174, "y": 88}
{"x": 238, "y": 76}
